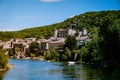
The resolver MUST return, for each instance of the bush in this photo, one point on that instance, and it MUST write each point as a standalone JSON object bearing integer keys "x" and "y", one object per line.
{"x": 3, "y": 59}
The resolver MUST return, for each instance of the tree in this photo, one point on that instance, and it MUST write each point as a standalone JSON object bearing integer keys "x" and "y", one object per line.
{"x": 47, "y": 55}
{"x": 76, "y": 53}
{"x": 67, "y": 55}
{"x": 71, "y": 43}
{"x": 110, "y": 44}
{"x": 34, "y": 48}
{"x": 90, "y": 52}
{"x": 54, "y": 55}
{"x": 3, "y": 59}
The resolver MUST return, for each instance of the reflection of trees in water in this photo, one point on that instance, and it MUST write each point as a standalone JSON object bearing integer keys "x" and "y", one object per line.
{"x": 81, "y": 72}
{"x": 70, "y": 71}
{"x": 92, "y": 73}
{"x": 2, "y": 73}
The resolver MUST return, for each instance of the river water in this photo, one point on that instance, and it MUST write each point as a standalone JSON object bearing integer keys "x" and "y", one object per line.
{"x": 41, "y": 70}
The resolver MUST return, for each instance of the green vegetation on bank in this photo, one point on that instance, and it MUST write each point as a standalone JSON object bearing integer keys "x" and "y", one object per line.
{"x": 3, "y": 59}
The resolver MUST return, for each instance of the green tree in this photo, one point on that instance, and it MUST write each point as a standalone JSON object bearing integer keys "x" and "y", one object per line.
{"x": 67, "y": 55}
{"x": 110, "y": 44}
{"x": 35, "y": 48}
{"x": 84, "y": 53}
{"x": 71, "y": 43}
{"x": 90, "y": 52}
{"x": 47, "y": 55}
{"x": 54, "y": 55}
{"x": 3, "y": 59}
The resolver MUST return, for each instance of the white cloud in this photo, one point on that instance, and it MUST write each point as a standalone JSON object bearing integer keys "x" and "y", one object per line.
{"x": 50, "y": 0}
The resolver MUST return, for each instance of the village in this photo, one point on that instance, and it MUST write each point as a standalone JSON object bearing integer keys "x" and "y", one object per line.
{"x": 20, "y": 47}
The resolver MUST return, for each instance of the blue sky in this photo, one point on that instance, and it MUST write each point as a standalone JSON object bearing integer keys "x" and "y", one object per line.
{"x": 21, "y": 14}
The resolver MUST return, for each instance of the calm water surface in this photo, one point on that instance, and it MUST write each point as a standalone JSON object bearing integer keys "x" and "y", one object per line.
{"x": 41, "y": 70}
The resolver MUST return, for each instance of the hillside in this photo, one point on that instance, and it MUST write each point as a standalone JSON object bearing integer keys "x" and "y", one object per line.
{"x": 87, "y": 20}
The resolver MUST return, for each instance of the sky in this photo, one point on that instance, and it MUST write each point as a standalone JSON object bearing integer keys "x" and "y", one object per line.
{"x": 21, "y": 14}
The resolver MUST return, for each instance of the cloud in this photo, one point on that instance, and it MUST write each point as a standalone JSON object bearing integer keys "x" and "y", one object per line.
{"x": 50, "y": 0}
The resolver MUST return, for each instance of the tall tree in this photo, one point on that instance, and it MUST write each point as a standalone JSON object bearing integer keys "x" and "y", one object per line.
{"x": 71, "y": 43}
{"x": 34, "y": 46}
{"x": 110, "y": 44}
{"x": 67, "y": 55}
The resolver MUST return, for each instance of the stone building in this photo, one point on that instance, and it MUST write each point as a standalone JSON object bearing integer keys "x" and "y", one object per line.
{"x": 63, "y": 33}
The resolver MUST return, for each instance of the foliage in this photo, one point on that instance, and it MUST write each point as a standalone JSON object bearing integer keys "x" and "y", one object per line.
{"x": 34, "y": 50}
{"x": 47, "y": 55}
{"x": 34, "y": 46}
{"x": 90, "y": 52}
{"x": 76, "y": 53}
{"x": 52, "y": 55}
{"x": 69, "y": 46}
{"x": 110, "y": 44}
{"x": 71, "y": 43}
{"x": 3, "y": 59}
{"x": 67, "y": 55}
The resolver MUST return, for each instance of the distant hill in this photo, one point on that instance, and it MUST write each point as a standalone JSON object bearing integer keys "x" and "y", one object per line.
{"x": 87, "y": 20}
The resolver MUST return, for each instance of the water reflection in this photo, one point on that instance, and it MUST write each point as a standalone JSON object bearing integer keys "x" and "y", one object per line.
{"x": 81, "y": 72}
{"x": 41, "y": 70}
{"x": 71, "y": 72}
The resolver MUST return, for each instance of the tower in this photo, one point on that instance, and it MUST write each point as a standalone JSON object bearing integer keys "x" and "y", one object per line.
{"x": 55, "y": 34}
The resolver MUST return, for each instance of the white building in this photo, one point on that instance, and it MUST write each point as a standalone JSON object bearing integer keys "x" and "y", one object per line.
{"x": 63, "y": 33}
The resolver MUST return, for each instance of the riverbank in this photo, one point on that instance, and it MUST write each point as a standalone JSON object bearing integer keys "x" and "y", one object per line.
{"x": 9, "y": 66}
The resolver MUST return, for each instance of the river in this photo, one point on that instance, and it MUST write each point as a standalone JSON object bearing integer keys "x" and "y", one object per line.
{"x": 41, "y": 70}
